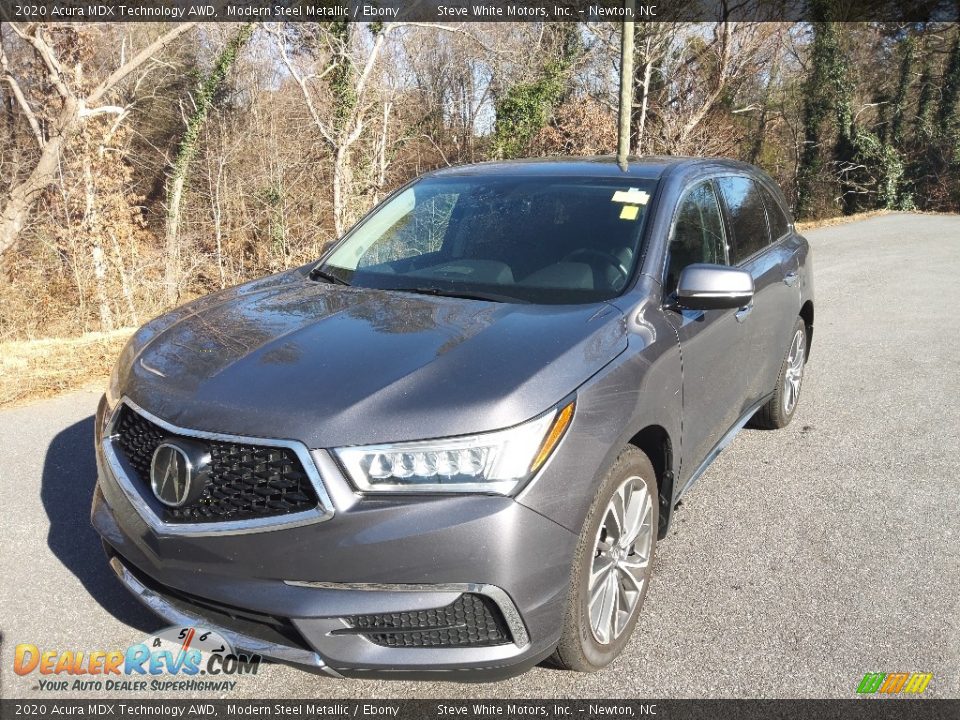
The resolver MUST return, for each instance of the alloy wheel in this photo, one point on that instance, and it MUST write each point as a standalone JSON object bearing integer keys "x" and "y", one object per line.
{"x": 621, "y": 560}
{"x": 794, "y": 375}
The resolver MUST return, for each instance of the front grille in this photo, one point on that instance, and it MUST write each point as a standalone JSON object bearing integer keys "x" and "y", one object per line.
{"x": 244, "y": 481}
{"x": 469, "y": 621}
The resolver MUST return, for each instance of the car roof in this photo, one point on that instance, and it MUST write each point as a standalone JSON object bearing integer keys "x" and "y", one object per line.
{"x": 650, "y": 167}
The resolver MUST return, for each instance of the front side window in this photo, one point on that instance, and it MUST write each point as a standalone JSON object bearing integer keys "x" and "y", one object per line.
{"x": 748, "y": 219}
{"x": 697, "y": 235}
{"x": 525, "y": 239}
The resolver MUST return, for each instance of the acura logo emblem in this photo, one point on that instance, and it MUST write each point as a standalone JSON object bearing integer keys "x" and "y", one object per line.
{"x": 173, "y": 475}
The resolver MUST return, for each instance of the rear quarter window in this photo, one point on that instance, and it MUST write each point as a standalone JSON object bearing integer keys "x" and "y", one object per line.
{"x": 779, "y": 222}
{"x": 746, "y": 216}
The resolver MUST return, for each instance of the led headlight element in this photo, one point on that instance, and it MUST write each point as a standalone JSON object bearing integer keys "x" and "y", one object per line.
{"x": 494, "y": 462}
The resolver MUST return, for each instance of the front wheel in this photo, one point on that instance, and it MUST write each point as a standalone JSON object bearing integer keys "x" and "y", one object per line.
{"x": 611, "y": 566}
{"x": 779, "y": 410}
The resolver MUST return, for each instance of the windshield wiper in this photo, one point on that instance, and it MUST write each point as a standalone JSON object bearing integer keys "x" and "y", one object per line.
{"x": 466, "y": 295}
{"x": 318, "y": 274}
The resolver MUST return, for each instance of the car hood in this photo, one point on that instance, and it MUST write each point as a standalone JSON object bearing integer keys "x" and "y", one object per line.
{"x": 332, "y": 365}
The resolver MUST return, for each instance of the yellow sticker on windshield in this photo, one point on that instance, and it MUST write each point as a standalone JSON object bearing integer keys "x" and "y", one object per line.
{"x": 633, "y": 196}
{"x": 629, "y": 212}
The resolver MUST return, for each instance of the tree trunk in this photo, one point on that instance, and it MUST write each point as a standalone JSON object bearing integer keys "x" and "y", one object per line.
{"x": 382, "y": 152}
{"x": 124, "y": 281}
{"x": 100, "y": 278}
{"x": 900, "y": 99}
{"x": 22, "y": 196}
{"x": 644, "y": 101}
{"x": 171, "y": 274}
{"x": 947, "y": 112}
{"x": 340, "y": 169}
{"x": 92, "y": 226}
{"x": 819, "y": 98}
{"x": 189, "y": 144}
{"x": 757, "y": 146}
{"x": 216, "y": 210}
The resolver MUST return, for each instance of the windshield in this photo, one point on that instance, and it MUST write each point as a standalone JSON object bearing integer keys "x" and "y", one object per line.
{"x": 520, "y": 239}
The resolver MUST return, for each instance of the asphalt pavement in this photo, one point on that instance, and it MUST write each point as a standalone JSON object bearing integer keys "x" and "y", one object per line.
{"x": 803, "y": 559}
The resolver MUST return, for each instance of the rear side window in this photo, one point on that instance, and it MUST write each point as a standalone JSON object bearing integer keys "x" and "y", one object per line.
{"x": 697, "y": 234}
{"x": 748, "y": 220}
{"x": 779, "y": 222}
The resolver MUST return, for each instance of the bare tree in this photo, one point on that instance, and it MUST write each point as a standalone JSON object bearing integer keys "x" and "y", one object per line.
{"x": 342, "y": 127}
{"x": 652, "y": 44}
{"x": 344, "y": 123}
{"x": 187, "y": 149}
{"x": 74, "y": 109}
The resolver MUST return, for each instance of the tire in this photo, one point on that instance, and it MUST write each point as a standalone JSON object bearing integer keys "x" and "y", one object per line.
{"x": 779, "y": 410}
{"x": 588, "y": 643}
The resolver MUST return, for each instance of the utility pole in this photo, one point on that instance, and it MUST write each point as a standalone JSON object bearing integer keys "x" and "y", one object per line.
{"x": 626, "y": 84}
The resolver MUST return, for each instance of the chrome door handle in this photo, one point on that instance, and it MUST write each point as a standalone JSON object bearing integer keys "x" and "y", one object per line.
{"x": 744, "y": 311}
{"x": 791, "y": 278}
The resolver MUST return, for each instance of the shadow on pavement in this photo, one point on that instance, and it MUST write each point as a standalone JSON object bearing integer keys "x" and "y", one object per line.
{"x": 69, "y": 477}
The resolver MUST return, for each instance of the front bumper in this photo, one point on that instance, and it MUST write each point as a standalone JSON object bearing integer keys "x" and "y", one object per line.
{"x": 286, "y": 593}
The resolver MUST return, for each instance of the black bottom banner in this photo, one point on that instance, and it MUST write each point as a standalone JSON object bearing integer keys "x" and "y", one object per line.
{"x": 854, "y": 709}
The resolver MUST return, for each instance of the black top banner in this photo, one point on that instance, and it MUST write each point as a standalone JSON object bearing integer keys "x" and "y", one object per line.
{"x": 452, "y": 11}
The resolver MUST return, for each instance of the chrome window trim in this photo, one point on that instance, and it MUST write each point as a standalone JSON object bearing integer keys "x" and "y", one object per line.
{"x": 687, "y": 190}
{"x": 165, "y": 609}
{"x": 510, "y": 613}
{"x": 323, "y": 511}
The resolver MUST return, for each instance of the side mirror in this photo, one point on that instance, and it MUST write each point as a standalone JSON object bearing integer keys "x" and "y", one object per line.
{"x": 714, "y": 287}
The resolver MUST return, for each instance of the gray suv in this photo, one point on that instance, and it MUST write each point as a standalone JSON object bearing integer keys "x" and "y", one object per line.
{"x": 452, "y": 444}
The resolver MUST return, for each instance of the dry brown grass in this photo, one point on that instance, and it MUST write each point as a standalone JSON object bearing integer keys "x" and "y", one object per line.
{"x": 844, "y": 219}
{"x": 839, "y": 220}
{"x": 34, "y": 369}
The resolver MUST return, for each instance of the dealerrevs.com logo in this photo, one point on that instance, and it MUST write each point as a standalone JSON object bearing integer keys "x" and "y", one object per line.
{"x": 894, "y": 683}
{"x": 185, "y": 659}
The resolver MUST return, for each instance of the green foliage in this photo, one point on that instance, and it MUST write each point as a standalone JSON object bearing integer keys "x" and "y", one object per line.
{"x": 845, "y": 149}
{"x": 523, "y": 111}
{"x": 341, "y": 76}
{"x": 205, "y": 97}
{"x": 923, "y": 122}
{"x": 908, "y": 49}
{"x": 526, "y": 108}
{"x": 883, "y": 169}
{"x": 272, "y": 196}
{"x": 934, "y": 166}
{"x": 819, "y": 93}
{"x": 866, "y": 167}
{"x": 947, "y": 120}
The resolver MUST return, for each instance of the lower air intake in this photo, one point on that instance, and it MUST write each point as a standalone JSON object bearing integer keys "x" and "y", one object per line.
{"x": 469, "y": 621}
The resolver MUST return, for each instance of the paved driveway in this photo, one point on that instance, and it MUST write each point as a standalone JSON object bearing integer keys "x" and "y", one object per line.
{"x": 804, "y": 558}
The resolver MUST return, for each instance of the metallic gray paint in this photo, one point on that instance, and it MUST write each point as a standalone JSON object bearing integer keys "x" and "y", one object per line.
{"x": 165, "y": 609}
{"x": 313, "y": 357}
{"x": 323, "y": 365}
{"x": 714, "y": 287}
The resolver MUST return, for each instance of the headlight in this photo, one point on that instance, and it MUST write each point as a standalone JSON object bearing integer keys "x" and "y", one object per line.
{"x": 494, "y": 462}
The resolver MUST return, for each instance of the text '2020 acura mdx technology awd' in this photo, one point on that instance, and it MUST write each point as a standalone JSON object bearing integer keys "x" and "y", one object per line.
{"x": 451, "y": 445}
